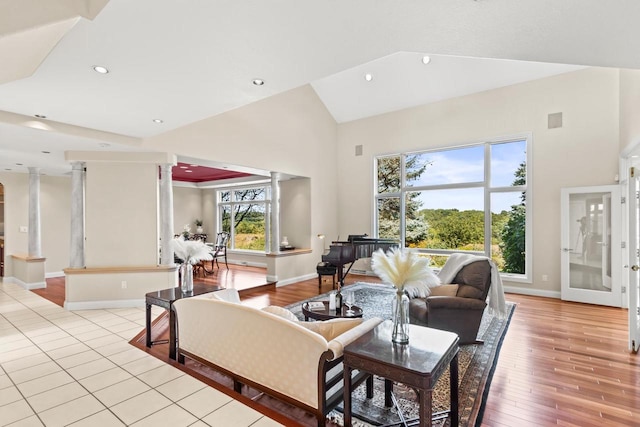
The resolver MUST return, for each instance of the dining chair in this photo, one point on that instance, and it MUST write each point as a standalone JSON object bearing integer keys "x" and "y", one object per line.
{"x": 220, "y": 248}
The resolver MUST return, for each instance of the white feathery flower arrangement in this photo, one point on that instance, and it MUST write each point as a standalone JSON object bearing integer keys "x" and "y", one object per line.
{"x": 399, "y": 267}
{"x": 191, "y": 251}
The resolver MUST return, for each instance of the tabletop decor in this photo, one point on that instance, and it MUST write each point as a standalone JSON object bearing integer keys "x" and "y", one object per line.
{"x": 191, "y": 252}
{"x": 399, "y": 267}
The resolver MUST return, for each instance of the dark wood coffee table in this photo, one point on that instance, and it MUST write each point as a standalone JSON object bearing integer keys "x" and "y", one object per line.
{"x": 418, "y": 364}
{"x": 165, "y": 299}
{"x": 327, "y": 314}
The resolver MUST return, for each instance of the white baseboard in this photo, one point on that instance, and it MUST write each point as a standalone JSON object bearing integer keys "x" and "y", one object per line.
{"x": 295, "y": 279}
{"x": 27, "y": 286}
{"x": 532, "y": 292}
{"x": 93, "y": 305}
{"x": 54, "y": 274}
{"x": 246, "y": 263}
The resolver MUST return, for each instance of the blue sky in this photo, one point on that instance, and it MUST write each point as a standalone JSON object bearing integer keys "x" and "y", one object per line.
{"x": 467, "y": 165}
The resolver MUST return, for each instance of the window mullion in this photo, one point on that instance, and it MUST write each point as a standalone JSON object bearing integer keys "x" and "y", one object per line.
{"x": 487, "y": 200}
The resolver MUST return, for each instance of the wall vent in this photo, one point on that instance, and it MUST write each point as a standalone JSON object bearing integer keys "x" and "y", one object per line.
{"x": 554, "y": 120}
{"x": 358, "y": 150}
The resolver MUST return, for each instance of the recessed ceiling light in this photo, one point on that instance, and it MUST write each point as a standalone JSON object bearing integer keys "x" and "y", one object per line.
{"x": 18, "y": 164}
{"x": 188, "y": 171}
{"x": 184, "y": 167}
{"x": 426, "y": 59}
{"x": 41, "y": 116}
{"x": 100, "y": 69}
{"x": 7, "y": 169}
{"x": 257, "y": 82}
{"x": 368, "y": 77}
{"x": 194, "y": 166}
{"x": 46, "y": 152}
{"x": 104, "y": 145}
{"x": 158, "y": 121}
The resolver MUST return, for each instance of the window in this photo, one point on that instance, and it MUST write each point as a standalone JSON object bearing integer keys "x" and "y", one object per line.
{"x": 465, "y": 199}
{"x": 242, "y": 212}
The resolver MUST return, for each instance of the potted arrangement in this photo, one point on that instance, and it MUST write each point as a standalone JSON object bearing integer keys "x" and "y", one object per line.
{"x": 198, "y": 223}
{"x": 190, "y": 252}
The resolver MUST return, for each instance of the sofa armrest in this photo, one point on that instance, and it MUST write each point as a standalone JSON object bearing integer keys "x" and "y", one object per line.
{"x": 455, "y": 303}
{"x": 337, "y": 344}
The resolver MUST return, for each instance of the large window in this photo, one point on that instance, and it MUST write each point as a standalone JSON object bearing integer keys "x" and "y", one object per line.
{"x": 242, "y": 212}
{"x": 465, "y": 199}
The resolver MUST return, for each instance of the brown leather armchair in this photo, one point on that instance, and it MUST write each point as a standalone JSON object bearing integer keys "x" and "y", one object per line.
{"x": 461, "y": 313}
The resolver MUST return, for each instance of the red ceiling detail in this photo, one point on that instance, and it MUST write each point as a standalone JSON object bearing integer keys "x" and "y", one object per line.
{"x": 202, "y": 173}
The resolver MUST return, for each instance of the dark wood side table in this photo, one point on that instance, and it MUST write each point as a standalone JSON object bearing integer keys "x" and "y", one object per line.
{"x": 165, "y": 299}
{"x": 418, "y": 364}
{"x": 327, "y": 314}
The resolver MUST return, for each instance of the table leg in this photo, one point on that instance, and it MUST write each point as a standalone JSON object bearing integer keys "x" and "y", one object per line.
{"x": 426, "y": 411}
{"x": 148, "y": 332}
{"x": 369, "y": 387}
{"x": 453, "y": 386}
{"x": 388, "y": 389}
{"x": 347, "y": 396}
{"x": 172, "y": 333}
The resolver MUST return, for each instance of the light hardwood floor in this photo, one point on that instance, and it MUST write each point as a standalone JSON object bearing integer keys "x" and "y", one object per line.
{"x": 561, "y": 363}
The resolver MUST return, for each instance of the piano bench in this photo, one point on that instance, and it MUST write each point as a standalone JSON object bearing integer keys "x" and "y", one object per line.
{"x": 325, "y": 269}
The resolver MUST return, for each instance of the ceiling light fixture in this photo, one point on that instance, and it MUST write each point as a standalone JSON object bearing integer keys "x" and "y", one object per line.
{"x": 104, "y": 145}
{"x": 41, "y": 116}
{"x": 426, "y": 59}
{"x": 100, "y": 69}
{"x": 368, "y": 77}
{"x": 18, "y": 164}
{"x": 158, "y": 121}
{"x": 184, "y": 167}
{"x": 188, "y": 171}
{"x": 257, "y": 82}
{"x": 46, "y": 152}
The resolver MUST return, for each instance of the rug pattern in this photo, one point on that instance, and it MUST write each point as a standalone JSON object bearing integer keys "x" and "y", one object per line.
{"x": 476, "y": 364}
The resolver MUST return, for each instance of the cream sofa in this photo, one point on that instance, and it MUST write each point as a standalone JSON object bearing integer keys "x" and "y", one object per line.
{"x": 268, "y": 352}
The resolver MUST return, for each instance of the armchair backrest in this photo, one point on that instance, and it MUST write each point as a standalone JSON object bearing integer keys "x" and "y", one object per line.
{"x": 474, "y": 280}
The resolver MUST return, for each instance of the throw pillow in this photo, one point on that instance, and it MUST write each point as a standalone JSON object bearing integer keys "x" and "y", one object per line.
{"x": 422, "y": 288}
{"x": 444, "y": 291}
{"x": 330, "y": 329}
{"x": 281, "y": 311}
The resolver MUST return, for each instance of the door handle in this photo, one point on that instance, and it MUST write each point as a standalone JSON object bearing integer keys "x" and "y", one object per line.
{"x": 566, "y": 249}
{"x": 635, "y": 267}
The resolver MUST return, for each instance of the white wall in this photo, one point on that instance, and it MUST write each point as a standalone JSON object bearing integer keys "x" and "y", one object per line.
{"x": 121, "y": 210}
{"x": 629, "y": 108}
{"x": 187, "y": 207}
{"x": 55, "y": 205}
{"x": 295, "y": 212}
{"x": 583, "y": 152}
{"x": 291, "y": 132}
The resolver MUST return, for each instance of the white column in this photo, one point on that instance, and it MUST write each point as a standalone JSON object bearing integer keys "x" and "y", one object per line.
{"x": 166, "y": 214}
{"x": 77, "y": 215}
{"x": 275, "y": 212}
{"x": 34, "y": 213}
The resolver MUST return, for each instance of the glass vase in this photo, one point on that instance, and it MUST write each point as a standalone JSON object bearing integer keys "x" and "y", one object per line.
{"x": 187, "y": 278}
{"x": 400, "y": 317}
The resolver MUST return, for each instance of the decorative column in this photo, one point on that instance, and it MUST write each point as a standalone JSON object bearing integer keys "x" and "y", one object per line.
{"x": 34, "y": 213}
{"x": 77, "y": 215}
{"x": 275, "y": 213}
{"x": 166, "y": 214}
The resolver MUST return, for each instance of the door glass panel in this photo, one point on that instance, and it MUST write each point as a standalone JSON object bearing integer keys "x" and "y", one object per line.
{"x": 590, "y": 240}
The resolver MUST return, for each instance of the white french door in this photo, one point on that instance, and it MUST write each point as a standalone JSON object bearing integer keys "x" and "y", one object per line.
{"x": 634, "y": 259}
{"x": 591, "y": 249}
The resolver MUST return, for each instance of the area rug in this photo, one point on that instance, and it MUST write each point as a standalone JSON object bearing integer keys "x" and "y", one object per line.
{"x": 476, "y": 366}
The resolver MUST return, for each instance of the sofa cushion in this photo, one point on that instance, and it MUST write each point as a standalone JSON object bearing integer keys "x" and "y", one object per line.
{"x": 281, "y": 312}
{"x": 473, "y": 280}
{"x": 444, "y": 291}
{"x": 330, "y": 329}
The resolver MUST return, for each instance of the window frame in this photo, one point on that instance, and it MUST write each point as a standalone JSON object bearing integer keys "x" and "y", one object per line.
{"x": 232, "y": 203}
{"x": 488, "y": 192}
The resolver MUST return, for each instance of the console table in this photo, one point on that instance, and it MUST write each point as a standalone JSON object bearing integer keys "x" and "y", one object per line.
{"x": 418, "y": 364}
{"x": 165, "y": 299}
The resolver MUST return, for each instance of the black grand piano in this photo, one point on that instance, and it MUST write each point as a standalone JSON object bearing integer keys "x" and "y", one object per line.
{"x": 357, "y": 246}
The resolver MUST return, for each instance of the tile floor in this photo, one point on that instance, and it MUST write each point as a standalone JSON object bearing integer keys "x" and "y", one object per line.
{"x": 60, "y": 368}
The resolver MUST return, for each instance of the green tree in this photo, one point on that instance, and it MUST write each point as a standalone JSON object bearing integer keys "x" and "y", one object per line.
{"x": 513, "y": 233}
{"x": 389, "y": 181}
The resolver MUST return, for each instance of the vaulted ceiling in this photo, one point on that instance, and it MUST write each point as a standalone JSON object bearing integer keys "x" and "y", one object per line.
{"x": 178, "y": 62}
